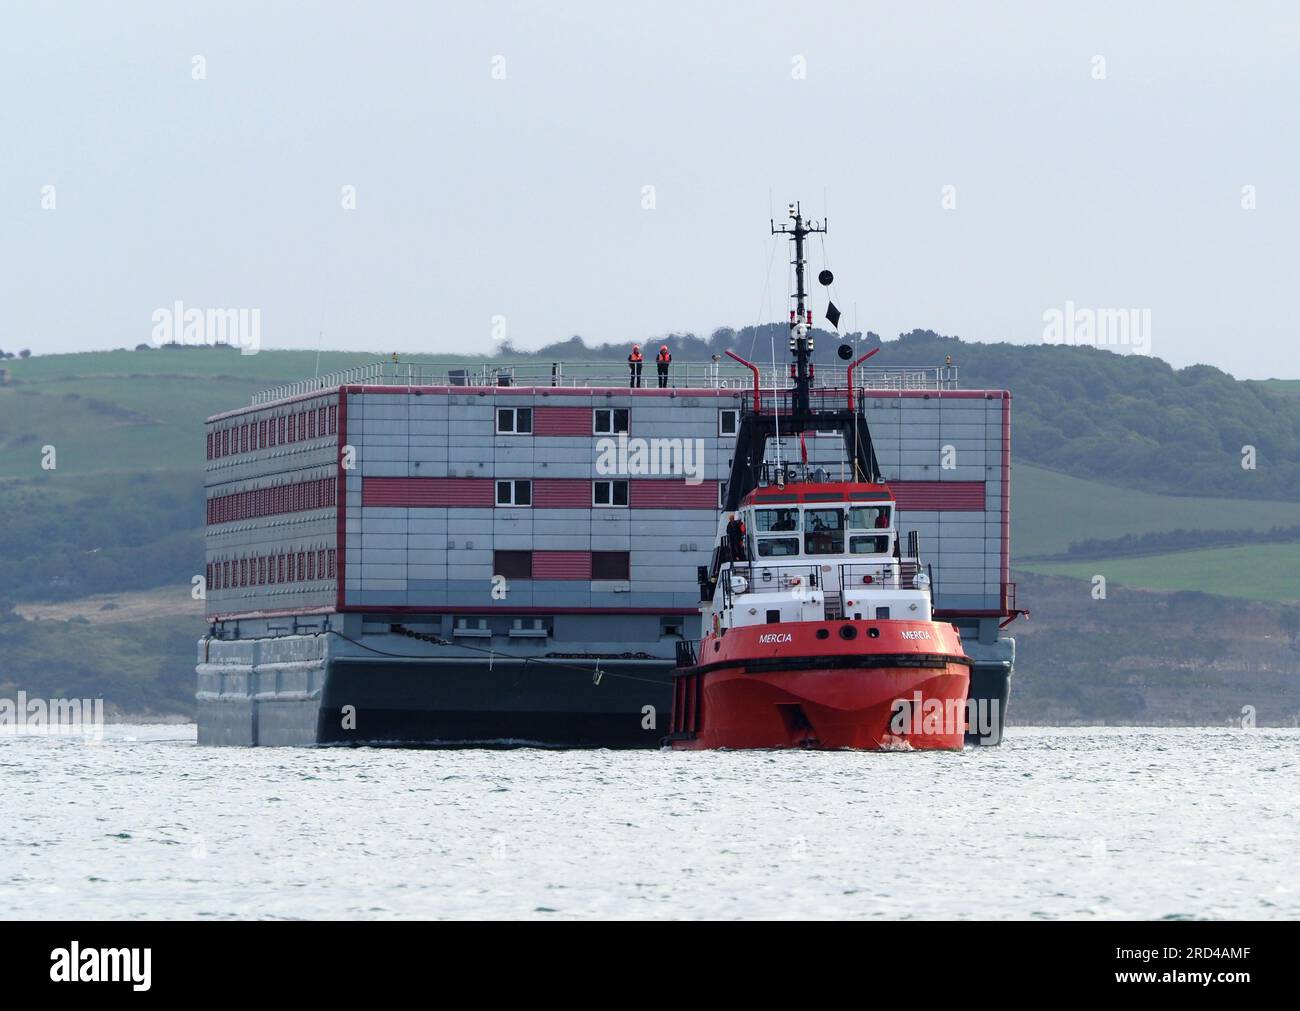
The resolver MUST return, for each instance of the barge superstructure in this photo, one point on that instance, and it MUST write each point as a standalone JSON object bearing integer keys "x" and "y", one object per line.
{"x": 423, "y": 554}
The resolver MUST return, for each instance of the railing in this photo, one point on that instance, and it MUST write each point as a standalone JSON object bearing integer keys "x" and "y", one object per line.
{"x": 851, "y": 576}
{"x": 871, "y": 576}
{"x": 681, "y": 375}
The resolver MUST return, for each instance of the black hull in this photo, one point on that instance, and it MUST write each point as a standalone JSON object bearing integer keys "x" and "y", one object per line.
{"x": 990, "y": 689}
{"x": 455, "y": 704}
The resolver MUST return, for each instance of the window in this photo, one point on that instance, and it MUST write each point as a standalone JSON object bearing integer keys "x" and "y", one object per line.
{"x": 209, "y": 445}
{"x": 611, "y": 565}
{"x": 777, "y": 547}
{"x": 311, "y": 565}
{"x": 279, "y": 569}
{"x": 261, "y": 571}
{"x": 514, "y": 493}
{"x": 225, "y": 442}
{"x": 612, "y": 494}
{"x": 776, "y": 520}
{"x": 869, "y": 517}
{"x": 610, "y": 420}
{"x": 302, "y": 566}
{"x": 291, "y": 569}
{"x": 728, "y": 421}
{"x": 333, "y": 419}
{"x": 302, "y": 426}
{"x": 824, "y": 531}
{"x": 282, "y": 440}
{"x": 261, "y": 434}
{"x": 860, "y": 544}
{"x": 311, "y": 424}
{"x": 320, "y": 563}
{"x": 513, "y": 564}
{"x": 514, "y": 421}
{"x": 330, "y": 556}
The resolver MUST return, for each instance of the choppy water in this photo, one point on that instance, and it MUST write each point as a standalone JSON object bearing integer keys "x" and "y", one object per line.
{"x": 1057, "y": 823}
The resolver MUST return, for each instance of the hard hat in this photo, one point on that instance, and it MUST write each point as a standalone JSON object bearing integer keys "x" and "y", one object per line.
{"x": 663, "y": 347}
{"x": 636, "y": 347}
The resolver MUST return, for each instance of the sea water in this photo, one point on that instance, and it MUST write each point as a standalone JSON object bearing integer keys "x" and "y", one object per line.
{"x": 1089, "y": 823}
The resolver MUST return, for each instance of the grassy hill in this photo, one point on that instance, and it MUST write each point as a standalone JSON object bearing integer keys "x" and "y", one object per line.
{"x": 1268, "y": 572}
{"x": 1051, "y": 510}
{"x": 1281, "y": 387}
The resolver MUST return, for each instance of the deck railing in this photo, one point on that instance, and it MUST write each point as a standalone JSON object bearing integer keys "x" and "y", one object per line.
{"x": 681, "y": 375}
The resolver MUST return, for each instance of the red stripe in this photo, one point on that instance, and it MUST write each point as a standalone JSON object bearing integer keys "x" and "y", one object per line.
{"x": 562, "y": 493}
{"x": 561, "y": 564}
{"x": 416, "y": 492}
{"x": 548, "y": 493}
{"x": 562, "y": 421}
{"x": 939, "y": 496}
{"x": 663, "y": 493}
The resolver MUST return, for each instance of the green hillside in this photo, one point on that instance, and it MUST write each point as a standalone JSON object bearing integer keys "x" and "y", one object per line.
{"x": 1267, "y": 572}
{"x": 136, "y": 410}
{"x": 1050, "y": 511}
{"x": 1281, "y": 387}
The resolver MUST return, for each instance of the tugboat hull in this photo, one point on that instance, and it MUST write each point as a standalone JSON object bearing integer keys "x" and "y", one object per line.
{"x": 894, "y": 686}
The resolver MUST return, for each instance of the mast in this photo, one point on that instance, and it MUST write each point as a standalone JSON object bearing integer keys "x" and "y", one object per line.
{"x": 758, "y": 428}
{"x": 801, "y": 339}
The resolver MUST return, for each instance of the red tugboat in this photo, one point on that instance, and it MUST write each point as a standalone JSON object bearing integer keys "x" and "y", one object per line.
{"x": 818, "y": 631}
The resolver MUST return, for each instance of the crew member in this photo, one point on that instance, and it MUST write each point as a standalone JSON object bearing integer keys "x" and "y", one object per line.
{"x": 634, "y": 367}
{"x": 663, "y": 360}
{"x": 736, "y": 538}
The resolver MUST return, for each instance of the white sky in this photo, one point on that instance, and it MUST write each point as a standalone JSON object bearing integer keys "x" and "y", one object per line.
{"x": 522, "y": 197}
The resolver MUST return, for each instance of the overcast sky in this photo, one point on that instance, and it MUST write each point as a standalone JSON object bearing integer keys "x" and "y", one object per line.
{"x": 523, "y": 196}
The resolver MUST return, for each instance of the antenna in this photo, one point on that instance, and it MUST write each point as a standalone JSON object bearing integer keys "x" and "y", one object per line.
{"x": 801, "y": 339}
